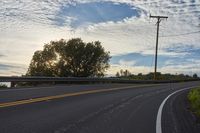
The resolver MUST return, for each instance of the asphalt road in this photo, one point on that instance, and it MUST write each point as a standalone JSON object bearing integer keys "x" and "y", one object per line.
{"x": 102, "y": 108}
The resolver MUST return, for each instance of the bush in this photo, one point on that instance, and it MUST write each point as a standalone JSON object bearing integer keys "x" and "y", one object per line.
{"x": 194, "y": 99}
{"x": 3, "y": 86}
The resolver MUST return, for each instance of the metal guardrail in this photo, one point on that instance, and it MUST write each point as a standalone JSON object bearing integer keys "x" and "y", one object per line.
{"x": 82, "y": 80}
{"x": 69, "y": 79}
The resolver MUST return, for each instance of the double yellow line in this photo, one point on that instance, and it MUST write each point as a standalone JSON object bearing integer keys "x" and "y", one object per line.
{"x": 20, "y": 102}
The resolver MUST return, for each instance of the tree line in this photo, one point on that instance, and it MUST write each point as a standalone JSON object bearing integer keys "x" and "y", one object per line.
{"x": 128, "y": 75}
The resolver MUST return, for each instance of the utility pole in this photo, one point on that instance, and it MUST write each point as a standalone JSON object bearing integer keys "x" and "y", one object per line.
{"x": 159, "y": 19}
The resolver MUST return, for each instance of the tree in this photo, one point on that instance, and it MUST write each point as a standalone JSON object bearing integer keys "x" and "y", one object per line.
{"x": 195, "y": 76}
{"x": 117, "y": 74}
{"x": 127, "y": 73}
{"x": 73, "y": 58}
{"x": 122, "y": 72}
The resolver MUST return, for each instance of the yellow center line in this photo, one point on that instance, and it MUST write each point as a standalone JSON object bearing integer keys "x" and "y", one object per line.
{"x": 20, "y": 102}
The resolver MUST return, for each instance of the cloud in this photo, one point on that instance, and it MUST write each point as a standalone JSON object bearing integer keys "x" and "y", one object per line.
{"x": 11, "y": 69}
{"x": 126, "y": 63}
{"x": 129, "y": 36}
{"x": 132, "y": 59}
{"x": 133, "y": 69}
{"x": 136, "y": 62}
{"x": 185, "y": 68}
{"x": 25, "y": 25}
{"x": 1, "y": 55}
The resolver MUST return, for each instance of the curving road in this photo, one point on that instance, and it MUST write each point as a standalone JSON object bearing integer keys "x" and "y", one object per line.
{"x": 98, "y": 108}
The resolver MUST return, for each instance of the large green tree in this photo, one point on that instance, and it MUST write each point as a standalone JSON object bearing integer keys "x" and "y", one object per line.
{"x": 73, "y": 58}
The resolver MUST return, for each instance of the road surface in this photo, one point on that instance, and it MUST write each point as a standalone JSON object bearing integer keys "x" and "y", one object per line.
{"x": 98, "y": 108}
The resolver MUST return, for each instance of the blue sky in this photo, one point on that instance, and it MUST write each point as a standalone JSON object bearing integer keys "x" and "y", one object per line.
{"x": 84, "y": 14}
{"x": 123, "y": 27}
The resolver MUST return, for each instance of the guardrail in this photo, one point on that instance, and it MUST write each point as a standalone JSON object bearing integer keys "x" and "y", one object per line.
{"x": 55, "y": 80}
{"x": 72, "y": 79}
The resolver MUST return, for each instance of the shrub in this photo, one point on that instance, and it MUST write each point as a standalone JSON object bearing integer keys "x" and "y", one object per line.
{"x": 3, "y": 86}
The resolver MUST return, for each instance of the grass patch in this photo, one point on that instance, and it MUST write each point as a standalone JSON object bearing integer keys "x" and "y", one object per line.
{"x": 194, "y": 99}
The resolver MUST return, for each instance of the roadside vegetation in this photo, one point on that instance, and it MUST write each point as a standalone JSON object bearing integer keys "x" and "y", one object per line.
{"x": 3, "y": 86}
{"x": 126, "y": 74}
{"x": 194, "y": 99}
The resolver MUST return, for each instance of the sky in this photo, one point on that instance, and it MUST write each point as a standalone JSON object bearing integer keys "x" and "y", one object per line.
{"x": 122, "y": 26}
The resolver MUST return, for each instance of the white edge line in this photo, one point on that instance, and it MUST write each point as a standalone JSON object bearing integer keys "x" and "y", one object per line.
{"x": 159, "y": 115}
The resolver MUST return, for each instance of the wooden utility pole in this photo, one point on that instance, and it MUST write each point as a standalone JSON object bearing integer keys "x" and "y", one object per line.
{"x": 159, "y": 19}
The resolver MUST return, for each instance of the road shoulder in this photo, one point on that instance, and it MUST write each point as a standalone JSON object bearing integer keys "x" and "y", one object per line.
{"x": 176, "y": 117}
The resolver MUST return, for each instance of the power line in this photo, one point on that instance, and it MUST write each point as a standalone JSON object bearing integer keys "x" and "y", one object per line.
{"x": 186, "y": 13}
{"x": 183, "y": 34}
{"x": 148, "y": 3}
